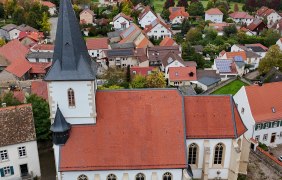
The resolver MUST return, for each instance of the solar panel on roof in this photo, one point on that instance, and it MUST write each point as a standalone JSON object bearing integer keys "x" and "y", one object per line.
{"x": 238, "y": 58}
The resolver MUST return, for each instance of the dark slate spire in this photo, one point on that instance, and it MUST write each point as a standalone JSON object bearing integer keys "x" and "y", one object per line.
{"x": 71, "y": 60}
{"x": 60, "y": 124}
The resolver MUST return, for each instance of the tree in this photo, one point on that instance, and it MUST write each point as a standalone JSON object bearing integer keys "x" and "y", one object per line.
{"x": 165, "y": 14}
{"x": 138, "y": 81}
{"x": 128, "y": 75}
{"x": 193, "y": 35}
{"x": 2, "y": 42}
{"x": 236, "y": 8}
{"x": 229, "y": 30}
{"x": 155, "y": 80}
{"x": 210, "y": 34}
{"x": 273, "y": 58}
{"x": 210, "y": 5}
{"x": 126, "y": 9}
{"x": 2, "y": 10}
{"x": 114, "y": 76}
{"x": 41, "y": 114}
{"x": 185, "y": 26}
{"x": 196, "y": 9}
{"x": 10, "y": 7}
{"x": 19, "y": 15}
{"x": 77, "y": 10}
{"x": 9, "y": 99}
{"x": 187, "y": 51}
{"x": 169, "y": 3}
{"x": 270, "y": 37}
{"x": 45, "y": 24}
{"x": 182, "y": 3}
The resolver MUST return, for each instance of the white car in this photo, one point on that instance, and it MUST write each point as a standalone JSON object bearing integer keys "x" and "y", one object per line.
{"x": 280, "y": 158}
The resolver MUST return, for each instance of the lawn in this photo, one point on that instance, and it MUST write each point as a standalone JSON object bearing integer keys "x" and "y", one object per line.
{"x": 231, "y": 88}
{"x": 158, "y": 4}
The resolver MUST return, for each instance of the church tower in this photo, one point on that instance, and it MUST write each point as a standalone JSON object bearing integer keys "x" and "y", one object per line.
{"x": 72, "y": 77}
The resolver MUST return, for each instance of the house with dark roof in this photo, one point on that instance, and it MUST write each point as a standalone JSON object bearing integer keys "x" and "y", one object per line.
{"x": 146, "y": 17}
{"x": 214, "y": 15}
{"x": 260, "y": 109}
{"x": 18, "y": 147}
{"x": 207, "y": 79}
{"x": 258, "y": 48}
{"x": 148, "y": 134}
{"x": 270, "y": 15}
{"x": 229, "y": 68}
{"x": 257, "y": 26}
{"x": 122, "y": 21}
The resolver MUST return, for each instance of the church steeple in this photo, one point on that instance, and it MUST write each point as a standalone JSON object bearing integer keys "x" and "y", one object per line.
{"x": 60, "y": 128}
{"x": 71, "y": 61}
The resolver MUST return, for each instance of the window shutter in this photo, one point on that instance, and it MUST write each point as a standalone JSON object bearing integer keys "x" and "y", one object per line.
{"x": 2, "y": 172}
{"x": 12, "y": 170}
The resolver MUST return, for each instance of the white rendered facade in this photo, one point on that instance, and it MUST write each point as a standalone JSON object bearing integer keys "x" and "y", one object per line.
{"x": 216, "y": 18}
{"x": 147, "y": 19}
{"x": 279, "y": 43}
{"x": 177, "y": 20}
{"x": 159, "y": 31}
{"x": 121, "y": 23}
{"x": 175, "y": 63}
{"x": 246, "y": 21}
{"x": 52, "y": 10}
{"x": 96, "y": 53}
{"x": 273, "y": 18}
{"x": 31, "y": 159}
{"x": 14, "y": 34}
{"x": 259, "y": 131}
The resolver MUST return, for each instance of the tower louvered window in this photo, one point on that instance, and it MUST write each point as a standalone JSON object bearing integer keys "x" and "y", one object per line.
{"x": 71, "y": 97}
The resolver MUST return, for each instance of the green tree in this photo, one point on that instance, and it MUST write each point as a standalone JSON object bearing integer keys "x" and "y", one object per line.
{"x": 210, "y": 5}
{"x": 185, "y": 26}
{"x": 114, "y": 76}
{"x": 138, "y": 81}
{"x": 229, "y": 30}
{"x": 169, "y": 3}
{"x": 155, "y": 80}
{"x": 196, "y": 9}
{"x": 10, "y": 7}
{"x": 41, "y": 116}
{"x": 77, "y": 10}
{"x": 273, "y": 58}
{"x": 19, "y": 15}
{"x": 194, "y": 35}
{"x": 183, "y": 3}
{"x": 9, "y": 99}
{"x": 2, "y": 42}
{"x": 210, "y": 33}
{"x": 45, "y": 24}
{"x": 270, "y": 37}
{"x": 2, "y": 10}
{"x": 165, "y": 14}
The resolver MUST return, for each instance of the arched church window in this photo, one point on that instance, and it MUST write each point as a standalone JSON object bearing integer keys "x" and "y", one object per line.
{"x": 82, "y": 177}
{"x": 111, "y": 177}
{"x": 71, "y": 97}
{"x": 218, "y": 154}
{"x": 140, "y": 176}
{"x": 192, "y": 153}
{"x": 167, "y": 176}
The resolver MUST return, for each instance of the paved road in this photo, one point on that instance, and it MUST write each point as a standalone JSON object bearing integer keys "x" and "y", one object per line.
{"x": 53, "y": 21}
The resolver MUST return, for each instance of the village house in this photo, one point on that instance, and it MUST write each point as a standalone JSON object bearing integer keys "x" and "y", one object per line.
{"x": 167, "y": 41}
{"x": 95, "y": 46}
{"x": 120, "y": 58}
{"x": 182, "y": 76}
{"x": 12, "y": 30}
{"x": 18, "y": 147}
{"x": 39, "y": 88}
{"x": 40, "y": 57}
{"x": 242, "y": 18}
{"x": 257, "y": 26}
{"x": 207, "y": 79}
{"x": 177, "y": 15}
{"x": 51, "y": 7}
{"x": 229, "y": 68}
{"x": 214, "y": 15}
{"x": 277, "y": 26}
{"x": 81, "y": 122}
{"x": 146, "y": 17}
{"x": 270, "y": 15}
{"x": 42, "y": 48}
{"x": 86, "y": 16}
{"x": 158, "y": 29}
{"x": 219, "y": 27}
{"x": 122, "y": 21}
{"x": 247, "y": 31}
{"x": 143, "y": 71}
{"x": 258, "y": 48}
{"x": 29, "y": 39}
{"x": 260, "y": 109}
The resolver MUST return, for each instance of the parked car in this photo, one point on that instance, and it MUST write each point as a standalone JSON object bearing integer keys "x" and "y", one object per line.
{"x": 280, "y": 158}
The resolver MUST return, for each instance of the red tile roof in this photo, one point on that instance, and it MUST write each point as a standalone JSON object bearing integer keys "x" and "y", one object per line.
{"x": 167, "y": 41}
{"x": 220, "y": 26}
{"x": 212, "y": 117}
{"x": 144, "y": 43}
{"x": 241, "y": 15}
{"x": 15, "y": 53}
{"x": 144, "y": 12}
{"x": 214, "y": 11}
{"x": 36, "y": 36}
{"x": 97, "y": 43}
{"x": 231, "y": 55}
{"x": 40, "y": 89}
{"x": 38, "y": 68}
{"x": 177, "y": 11}
{"x": 264, "y": 11}
{"x": 182, "y": 73}
{"x": 145, "y": 131}
{"x": 263, "y": 98}
{"x": 255, "y": 24}
{"x": 48, "y": 4}
{"x": 46, "y": 47}
{"x": 19, "y": 95}
{"x": 141, "y": 70}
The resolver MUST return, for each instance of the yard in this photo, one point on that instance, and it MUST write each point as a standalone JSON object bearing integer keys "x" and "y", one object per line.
{"x": 231, "y": 88}
{"x": 158, "y": 4}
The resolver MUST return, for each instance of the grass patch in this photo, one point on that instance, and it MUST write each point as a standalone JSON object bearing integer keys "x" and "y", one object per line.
{"x": 158, "y": 4}
{"x": 231, "y": 88}
{"x": 240, "y": 5}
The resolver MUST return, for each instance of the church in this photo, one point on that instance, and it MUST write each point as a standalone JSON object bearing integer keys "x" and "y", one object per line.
{"x": 135, "y": 134}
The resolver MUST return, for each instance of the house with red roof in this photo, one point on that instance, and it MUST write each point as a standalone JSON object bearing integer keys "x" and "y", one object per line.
{"x": 158, "y": 29}
{"x": 39, "y": 88}
{"x": 29, "y": 39}
{"x": 51, "y": 7}
{"x": 146, "y": 17}
{"x": 143, "y": 71}
{"x": 148, "y": 134}
{"x": 214, "y": 15}
{"x": 257, "y": 26}
{"x": 270, "y": 15}
{"x": 86, "y": 16}
{"x": 167, "y": 41}
{"x": 177, "y": 15}
{"x": 42, "y": 48}
{"x": 241, "y": 18}
{"x": 261, "y": 111}
{"x": 122, "y": 21}
{"x": 95, "y": 46}
{"x": 182, "y": 76}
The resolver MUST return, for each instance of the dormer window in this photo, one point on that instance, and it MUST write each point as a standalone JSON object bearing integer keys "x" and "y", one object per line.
{"x": 191, "y": 74}
{"x": 71, "y": 97}
{"x": 273, "y": 110}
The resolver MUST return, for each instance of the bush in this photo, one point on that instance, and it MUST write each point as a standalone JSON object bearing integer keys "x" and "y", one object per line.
{"x": 263, "y": 146}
